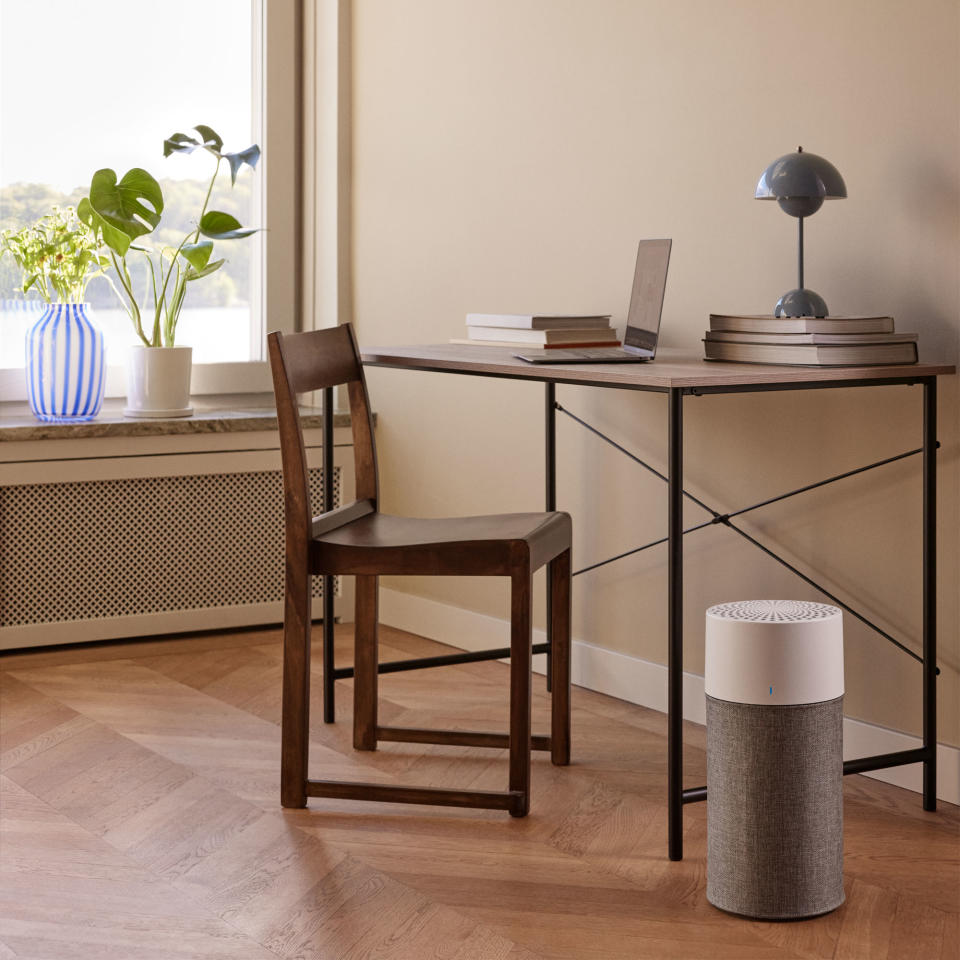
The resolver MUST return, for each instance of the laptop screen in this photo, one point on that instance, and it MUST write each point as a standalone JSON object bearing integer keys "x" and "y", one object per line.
{"x": 646, "y": 297}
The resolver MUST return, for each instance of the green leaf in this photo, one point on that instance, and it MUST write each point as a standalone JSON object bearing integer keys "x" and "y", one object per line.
{"x": 212, "y": 141}
{"x": 197, "y": 254}
{"x": 123, "y": 210}
{"x": 250, "y": 156}
{"x": 192, "y": 274}
{"x": 179, "y": 143}
{"x": 184, "y": 143}
{"x": 223, "y": 226}
{"x": 112, "y": 237}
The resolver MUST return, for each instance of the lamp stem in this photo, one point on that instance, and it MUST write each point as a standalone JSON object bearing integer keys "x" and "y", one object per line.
{"x": 799, "y": 253}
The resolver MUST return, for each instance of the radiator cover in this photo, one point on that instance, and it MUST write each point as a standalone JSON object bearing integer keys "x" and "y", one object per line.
{"x": 86, "y": 552}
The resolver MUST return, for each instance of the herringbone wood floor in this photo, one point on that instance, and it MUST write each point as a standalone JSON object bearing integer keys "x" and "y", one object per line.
{"x": 141, "y": 819}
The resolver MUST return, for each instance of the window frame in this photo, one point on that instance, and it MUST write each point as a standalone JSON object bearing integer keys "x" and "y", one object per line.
{"x": 326, "y": 150}
{"x": 277, "y": 79}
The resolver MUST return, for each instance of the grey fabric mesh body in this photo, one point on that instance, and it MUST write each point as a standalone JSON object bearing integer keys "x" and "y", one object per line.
{"x": 775, "y": 808}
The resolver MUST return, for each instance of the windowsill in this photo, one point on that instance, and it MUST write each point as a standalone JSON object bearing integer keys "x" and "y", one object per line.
{"x": 225, "y": 413}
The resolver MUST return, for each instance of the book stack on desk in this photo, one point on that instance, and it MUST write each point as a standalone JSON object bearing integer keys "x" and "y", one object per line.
{"x": 808, "y": 341}
{"x": 540, "y": 330}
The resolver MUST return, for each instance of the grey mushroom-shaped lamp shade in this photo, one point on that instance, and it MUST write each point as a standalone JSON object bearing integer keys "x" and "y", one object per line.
{"x": 800, "y": 182}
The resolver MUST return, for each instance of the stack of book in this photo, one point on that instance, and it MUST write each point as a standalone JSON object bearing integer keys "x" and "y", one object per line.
{"x": 808, "y": 341}
{"x": 539, "y": 330}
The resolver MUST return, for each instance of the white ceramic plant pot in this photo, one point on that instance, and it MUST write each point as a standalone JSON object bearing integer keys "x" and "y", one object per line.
{"x": 158, "y": 382}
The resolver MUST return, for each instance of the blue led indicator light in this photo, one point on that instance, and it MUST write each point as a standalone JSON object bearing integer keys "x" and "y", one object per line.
{"x": 771, "y": 691}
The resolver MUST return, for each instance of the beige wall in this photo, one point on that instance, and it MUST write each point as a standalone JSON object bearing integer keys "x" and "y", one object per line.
{"x": 508, "y": 154}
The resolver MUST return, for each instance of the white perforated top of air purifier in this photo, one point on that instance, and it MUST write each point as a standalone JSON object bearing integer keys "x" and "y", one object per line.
{"x": 774, "y": 652}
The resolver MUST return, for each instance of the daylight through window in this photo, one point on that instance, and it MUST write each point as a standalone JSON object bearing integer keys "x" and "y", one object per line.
{"x": 85, "y": 86}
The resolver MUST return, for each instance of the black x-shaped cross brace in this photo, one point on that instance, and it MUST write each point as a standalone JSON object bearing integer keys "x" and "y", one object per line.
{"x": 726, "y": 520}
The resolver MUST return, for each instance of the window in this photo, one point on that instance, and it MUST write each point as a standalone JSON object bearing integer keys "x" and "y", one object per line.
{"x": 67, "y": 108}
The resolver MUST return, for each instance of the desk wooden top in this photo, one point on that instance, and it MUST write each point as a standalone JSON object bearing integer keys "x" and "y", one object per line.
{"x": 672, "y": 368}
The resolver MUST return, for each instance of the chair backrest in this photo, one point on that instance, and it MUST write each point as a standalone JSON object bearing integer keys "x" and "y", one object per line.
{"x": 301, "y": 362}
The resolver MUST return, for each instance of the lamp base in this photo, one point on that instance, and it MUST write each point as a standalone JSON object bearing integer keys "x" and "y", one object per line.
{"x": 801, "y": 303}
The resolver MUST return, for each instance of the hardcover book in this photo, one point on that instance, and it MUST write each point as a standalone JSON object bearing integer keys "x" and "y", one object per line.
{"x": 813, "y": 354}
{"x": 538, "y": 321}
{"x": 545, "y": 346}
{"x": 724, "y": 336}
{"x": 540, "y": 337}
{"x": 769, "y": 324}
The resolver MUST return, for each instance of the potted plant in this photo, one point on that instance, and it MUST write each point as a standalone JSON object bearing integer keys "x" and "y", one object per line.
{"x": 58, "y": 256}
{"x": 123, "y": 212}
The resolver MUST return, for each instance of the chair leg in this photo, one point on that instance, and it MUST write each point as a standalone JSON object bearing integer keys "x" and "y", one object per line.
{"x": 295, "y": 722}
{"x": 365, "y": 660}
{"x": 521, "y": 663}
{"x": 559, "y": 573}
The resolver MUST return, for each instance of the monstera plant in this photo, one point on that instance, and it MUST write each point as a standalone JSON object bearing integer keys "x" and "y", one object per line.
{"x": 124, "y": 212}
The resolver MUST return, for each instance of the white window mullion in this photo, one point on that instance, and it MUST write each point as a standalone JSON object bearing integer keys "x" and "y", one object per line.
{"x": 327, "y": 281}
{"x": 282, "y": 55}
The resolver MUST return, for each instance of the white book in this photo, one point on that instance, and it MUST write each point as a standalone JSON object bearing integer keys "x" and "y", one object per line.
{"x": 543, "y": 321}
{"x": 462, "y": 341}
{"x": 604, "y": 334}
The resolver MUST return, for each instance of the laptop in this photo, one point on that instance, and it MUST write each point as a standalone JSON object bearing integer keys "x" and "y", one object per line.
{"x": 643, "y": 318}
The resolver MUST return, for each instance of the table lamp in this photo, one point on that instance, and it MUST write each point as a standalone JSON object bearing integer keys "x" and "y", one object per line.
{"x": 800, "y": 182}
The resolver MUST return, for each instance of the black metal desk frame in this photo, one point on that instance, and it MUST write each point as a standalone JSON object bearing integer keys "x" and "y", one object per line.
{"x": 677, "y": 796}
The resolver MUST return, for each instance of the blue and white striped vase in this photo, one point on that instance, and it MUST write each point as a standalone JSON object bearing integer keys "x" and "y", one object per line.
{"x": 66, "y": 369}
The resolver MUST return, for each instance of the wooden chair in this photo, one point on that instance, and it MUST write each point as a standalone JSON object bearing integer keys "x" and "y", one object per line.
{"x": 357, "y": 539}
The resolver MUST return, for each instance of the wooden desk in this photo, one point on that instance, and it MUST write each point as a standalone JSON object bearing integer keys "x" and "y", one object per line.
{"x": 678, "y": 374}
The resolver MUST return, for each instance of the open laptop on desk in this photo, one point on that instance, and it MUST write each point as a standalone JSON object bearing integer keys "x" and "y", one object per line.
{"x": 643, "y": 318}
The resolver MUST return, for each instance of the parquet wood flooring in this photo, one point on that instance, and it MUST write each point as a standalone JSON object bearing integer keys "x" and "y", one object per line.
{"x": 140, "y": 818}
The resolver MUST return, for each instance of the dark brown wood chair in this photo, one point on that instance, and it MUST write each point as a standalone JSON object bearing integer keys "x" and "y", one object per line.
{"x": 356, "y": 539}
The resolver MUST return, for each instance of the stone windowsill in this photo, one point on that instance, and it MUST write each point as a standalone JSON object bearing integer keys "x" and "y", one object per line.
{"x": 233, "y": 413}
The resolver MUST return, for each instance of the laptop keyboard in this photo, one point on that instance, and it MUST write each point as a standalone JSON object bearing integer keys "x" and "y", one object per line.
{"x": 592, "y": 353}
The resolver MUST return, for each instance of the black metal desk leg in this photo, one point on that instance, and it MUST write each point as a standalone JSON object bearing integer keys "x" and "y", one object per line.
{"x": 550, "y": 452}
{"x": 675, "y": 626}
{"x": 328, "y": 663}
{"x": 930, "y": 592}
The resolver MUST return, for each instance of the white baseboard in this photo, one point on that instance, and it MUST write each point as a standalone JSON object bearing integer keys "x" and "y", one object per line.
{"x": 645, "y": 683}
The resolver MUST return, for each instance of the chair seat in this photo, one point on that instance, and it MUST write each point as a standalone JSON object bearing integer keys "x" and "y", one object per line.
{"x": 488, "y": 545}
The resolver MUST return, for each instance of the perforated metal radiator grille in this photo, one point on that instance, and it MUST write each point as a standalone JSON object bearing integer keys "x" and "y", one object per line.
{"x": 114, "y": 548}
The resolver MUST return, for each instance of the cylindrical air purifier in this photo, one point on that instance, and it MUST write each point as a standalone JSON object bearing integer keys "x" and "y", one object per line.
{"x": 774, "y": 684}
